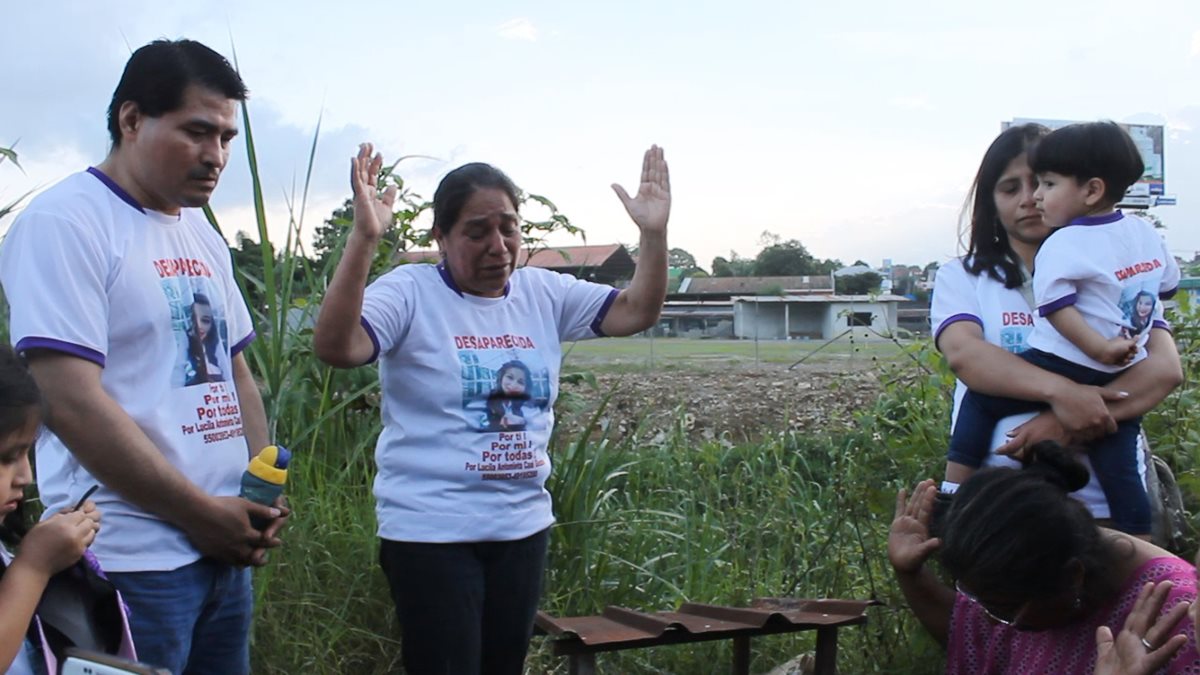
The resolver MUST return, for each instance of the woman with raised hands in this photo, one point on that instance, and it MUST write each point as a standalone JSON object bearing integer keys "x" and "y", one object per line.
{"x": 463, "y": 512}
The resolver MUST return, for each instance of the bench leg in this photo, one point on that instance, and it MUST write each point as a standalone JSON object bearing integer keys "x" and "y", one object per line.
{"x": 826, "y": 656}
{"x": 741, "y": 655}
{"x": 582, "y": 664}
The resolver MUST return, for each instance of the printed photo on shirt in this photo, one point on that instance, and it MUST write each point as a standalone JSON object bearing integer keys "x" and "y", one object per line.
{"x": 1137, "y": 309}
{"x": 504, "y": 389}
{"x": 201, "y": 333}
{"x": 1012, "y": 338}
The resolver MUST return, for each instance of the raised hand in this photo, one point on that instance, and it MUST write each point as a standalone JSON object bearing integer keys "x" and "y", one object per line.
{"x": 651, "y": 208}
{"x": 372, "y": 211}
{"x": 909, "y": 544}
{"x": 1145, "y": 643}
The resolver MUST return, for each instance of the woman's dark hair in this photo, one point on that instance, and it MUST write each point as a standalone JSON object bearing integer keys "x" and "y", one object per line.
{"x": 20, "y": 401}
{"x": 1141, "y": 294}
{"x": 497, "y": 397}
{"x": 157, "y": 74}
{"x": 988, "y": 249}
{"x": 202, "y": 299}
{"x": 202, "y": 351}
{"x": 515, "y": 365}
{"x": 1091, "y": 150}
{"x": 1013, "y": 531}
{"x": 458, "y": 186}
{"x": 1134, "y": 319}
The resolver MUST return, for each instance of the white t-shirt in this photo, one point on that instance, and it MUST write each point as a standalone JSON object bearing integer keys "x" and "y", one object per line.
{"x": 1007, "y": 321}
{"x": 151, "y": 298}
{"x": 459, "y": 458}
{"x": 1114, "y": 269}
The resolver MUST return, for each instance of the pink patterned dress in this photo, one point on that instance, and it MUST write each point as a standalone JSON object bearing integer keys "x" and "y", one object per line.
{"x": 979, "y": 646}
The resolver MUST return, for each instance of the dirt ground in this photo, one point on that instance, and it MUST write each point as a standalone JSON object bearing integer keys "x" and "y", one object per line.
{"x": 740, "y": 402}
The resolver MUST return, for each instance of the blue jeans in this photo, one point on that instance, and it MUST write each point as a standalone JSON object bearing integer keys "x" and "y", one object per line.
{"x": 465, "y": 608}
{"x": 191, "y": 620}
{"x": 1114, "y": 457}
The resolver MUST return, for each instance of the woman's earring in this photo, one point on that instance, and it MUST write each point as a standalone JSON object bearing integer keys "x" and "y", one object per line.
{"x": 996, "y": 232}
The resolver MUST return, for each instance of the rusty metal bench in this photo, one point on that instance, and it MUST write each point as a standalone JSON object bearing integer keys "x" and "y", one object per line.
{"x": 617, "y": 628}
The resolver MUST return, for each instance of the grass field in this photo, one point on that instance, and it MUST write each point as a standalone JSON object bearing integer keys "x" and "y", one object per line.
{"x": 610, "y": 354}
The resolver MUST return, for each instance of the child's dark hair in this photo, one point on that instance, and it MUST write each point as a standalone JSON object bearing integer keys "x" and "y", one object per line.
{"x": 19, "y": 400}
{"x": 1091, "y": 150}
{"x": 1013, "y": 531}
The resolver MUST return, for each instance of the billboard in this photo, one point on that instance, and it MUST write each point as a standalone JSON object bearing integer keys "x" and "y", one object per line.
{"x": 1149, "y": 141}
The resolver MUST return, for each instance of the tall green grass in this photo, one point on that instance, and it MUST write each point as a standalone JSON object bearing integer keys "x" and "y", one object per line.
{"x": 9, "y": 154}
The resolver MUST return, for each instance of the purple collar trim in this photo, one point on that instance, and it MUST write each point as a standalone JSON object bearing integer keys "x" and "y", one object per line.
{"x": 449, "y": 280}
{"x": 1098, "y": 220}
{"x": 116, "y": 189}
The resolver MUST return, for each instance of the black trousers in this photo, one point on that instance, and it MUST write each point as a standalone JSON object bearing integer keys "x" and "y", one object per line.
{"x": 465, "y": 608}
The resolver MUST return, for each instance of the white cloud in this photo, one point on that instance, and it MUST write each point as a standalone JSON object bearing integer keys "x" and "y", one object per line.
{"x": 518, "y": 29}
{"x": 1196, "y": 44}
{"x": 911, "y": 102}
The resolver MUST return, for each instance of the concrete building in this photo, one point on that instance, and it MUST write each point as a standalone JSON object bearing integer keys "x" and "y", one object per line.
{"x": 814, "y": 317}
{"x": 702, "y": 307}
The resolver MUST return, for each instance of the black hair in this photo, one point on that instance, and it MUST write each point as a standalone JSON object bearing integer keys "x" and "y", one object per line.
{"x": 458, "y": 186}
{"x": 201, "y": 352}
{"x": 20, "y": 402}
{"x": 212, "y": 340}
{"x": 497, "y": 398}
{"x": 988, "y": 248}
{"x": 157, "y": 74}
{"x": 1091, "y": 150}
{"x": 1013, "y": 531}
{"x": 515, "y": 365}
{"x": 1134, "y": 319}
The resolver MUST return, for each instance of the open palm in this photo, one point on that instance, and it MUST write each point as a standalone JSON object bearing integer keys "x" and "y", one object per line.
{"x": 651, "y": 208}
{"x": 909, "y": 544}
{"x": 1148, "y": 639}
{"x": 372, "y": 211}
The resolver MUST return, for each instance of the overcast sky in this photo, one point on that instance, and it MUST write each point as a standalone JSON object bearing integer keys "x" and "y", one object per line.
{"x": 853, "y": 127}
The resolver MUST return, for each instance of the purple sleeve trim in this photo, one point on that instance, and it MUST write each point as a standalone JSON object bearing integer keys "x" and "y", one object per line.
{"x": 1159, "y": 323}
{"x": 242, "y": 344}
{"x": 374, "y": 339}
{"x": 955, "y": 319}
{"x": 1167, "y": 295}
{"x": 608, "y": 303}
{"x": 1052, "y": 307}
{"x": 86, "y": 353}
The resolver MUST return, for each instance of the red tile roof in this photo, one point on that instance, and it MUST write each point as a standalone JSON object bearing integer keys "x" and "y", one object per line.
{"x": 570, "y": 256}
{"x": 550, "y": 258}
{"x": 752, "y": 285}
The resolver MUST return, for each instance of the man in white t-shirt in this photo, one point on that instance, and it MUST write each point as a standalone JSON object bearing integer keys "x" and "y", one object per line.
{"x": 124, "y": 302}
